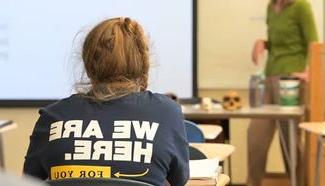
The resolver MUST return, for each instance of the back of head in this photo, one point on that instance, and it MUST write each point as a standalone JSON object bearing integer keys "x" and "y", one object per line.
{"x": 116, "y": 59}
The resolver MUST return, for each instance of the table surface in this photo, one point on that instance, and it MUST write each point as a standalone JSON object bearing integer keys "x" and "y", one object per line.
{"x": 266, "y": 111}
{"x": 210, "y": 131}
{"x": 222, "y": 181}
{"x": 314, "y": 127}
{"x": 215, "y": 150}
{"x": 276, "y": 112}
{"x": 6, "y": 125}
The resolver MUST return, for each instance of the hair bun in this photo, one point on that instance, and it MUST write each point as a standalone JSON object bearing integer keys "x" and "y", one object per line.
{"x": 127, "y": 20}
{"x": 126, "y": 23}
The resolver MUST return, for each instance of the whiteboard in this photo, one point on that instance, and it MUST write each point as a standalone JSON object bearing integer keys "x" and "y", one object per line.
{"x": 40, "y": 44}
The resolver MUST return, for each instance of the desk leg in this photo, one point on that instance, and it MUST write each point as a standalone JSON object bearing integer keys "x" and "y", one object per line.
{"x": 283, "y": 142}
{"x": 293, "y": 151}
{"x": 2, "y": 161}
{"x": 226, "y": 124}
{"x": 319, "y": 159}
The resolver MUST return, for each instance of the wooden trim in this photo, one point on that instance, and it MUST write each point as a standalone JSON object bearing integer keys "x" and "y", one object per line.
{"x": 316, "y": 90}
{"x": 316, "y": 104}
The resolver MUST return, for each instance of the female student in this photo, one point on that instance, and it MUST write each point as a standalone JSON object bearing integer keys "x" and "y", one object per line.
{"x": 115, "y": 128}
{"x": 291, "y": 28}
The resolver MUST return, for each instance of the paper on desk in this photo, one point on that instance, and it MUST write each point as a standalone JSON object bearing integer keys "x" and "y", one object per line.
{"x": 204, "y": 169}
{"x": 4, "y": 123}
{"x": 215, "y": 106}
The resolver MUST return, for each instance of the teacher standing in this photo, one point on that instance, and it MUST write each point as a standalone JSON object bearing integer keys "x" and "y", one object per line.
{"x": 290, "y": 28}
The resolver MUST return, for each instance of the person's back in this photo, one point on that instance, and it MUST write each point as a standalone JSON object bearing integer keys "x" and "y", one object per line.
{"x": 116, "y": 128}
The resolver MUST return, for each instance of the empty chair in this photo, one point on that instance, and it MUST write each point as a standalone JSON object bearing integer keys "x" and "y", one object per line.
{"x": 96, "y": 182}
{"x": 194, "y": 133}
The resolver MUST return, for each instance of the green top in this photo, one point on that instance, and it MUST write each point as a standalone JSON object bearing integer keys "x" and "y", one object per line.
{"x": 289, "y": 34}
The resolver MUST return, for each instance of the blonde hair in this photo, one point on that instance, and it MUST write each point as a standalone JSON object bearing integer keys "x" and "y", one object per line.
{"x": 115, "y": 54}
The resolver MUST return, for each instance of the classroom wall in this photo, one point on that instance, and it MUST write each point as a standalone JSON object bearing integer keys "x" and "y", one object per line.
{"x": 17, "y": 140}
{"x": 227, "y": 31}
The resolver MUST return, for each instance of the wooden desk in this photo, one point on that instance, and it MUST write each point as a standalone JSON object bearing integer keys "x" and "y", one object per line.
{"x": 294, "y": 116}
{"x": 210, "y": 132}
{"x": 222, "y": 180}
{"x": 265, "y": 112}
{"x": 215, "y": 150}
{"x": 5, "y": 125}
{"x": 319, "y": 129}
{"x": 314, "y": 127}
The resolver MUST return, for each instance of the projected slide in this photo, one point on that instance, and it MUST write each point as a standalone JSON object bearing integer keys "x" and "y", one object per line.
{"x": 40, "y": 44}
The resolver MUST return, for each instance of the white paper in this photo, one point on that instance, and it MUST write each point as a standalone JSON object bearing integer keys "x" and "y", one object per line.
{"x": 204, "y": 169}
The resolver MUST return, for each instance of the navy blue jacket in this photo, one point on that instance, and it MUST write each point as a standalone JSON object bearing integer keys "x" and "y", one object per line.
{"x": 140, "y": 136}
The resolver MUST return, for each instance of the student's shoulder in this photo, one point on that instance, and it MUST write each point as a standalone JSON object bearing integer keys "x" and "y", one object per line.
{"x": 65, "y": 104}
{"x": 162, "y": 101}
{"x": 71, "y": 100}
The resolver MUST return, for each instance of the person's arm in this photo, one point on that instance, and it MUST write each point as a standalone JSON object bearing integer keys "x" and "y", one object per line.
{"x": 306, "y": 22}
{"x": 261, "y": 45}
{"x": 258, "y": 50}
{"x": 307, "y": 25}
{"x": 38, "y": 142}
{"x": 179, "y": 167}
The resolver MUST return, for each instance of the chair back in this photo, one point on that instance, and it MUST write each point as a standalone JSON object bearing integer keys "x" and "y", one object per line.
{"x": 96, "y": 182}
{"x": 194, "y": 133}
{"x": 196, "y": 154}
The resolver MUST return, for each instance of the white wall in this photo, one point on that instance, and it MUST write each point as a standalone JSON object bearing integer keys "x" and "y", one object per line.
{"x": 227, "y": 31}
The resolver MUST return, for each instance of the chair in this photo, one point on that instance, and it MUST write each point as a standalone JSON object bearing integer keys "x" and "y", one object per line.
{"x": 194, "y": 133}
{"x": 215, "y": 150}
{"x": 317, "y": 128}
{"x": 196, "y": 154}
{"x": 96, "y": 182}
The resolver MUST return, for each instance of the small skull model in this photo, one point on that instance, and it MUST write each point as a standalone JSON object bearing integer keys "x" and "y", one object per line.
{"x": 231, "y": 101}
